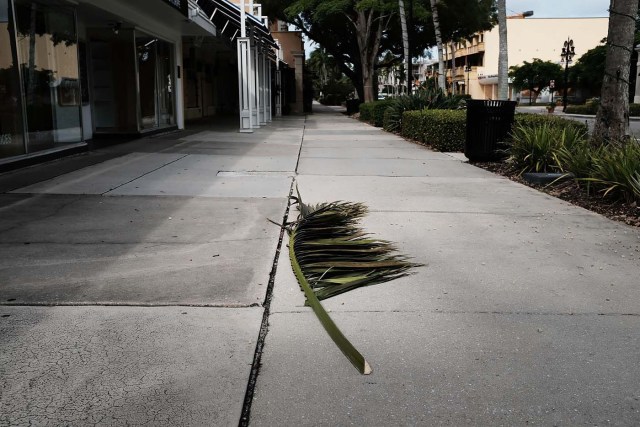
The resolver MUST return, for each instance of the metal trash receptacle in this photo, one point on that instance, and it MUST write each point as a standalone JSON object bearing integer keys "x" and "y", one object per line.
{"x": 488, "y": 123}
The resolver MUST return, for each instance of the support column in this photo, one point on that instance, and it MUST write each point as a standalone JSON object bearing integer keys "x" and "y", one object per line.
{"x": 255, "y": 98}
{"x": 298, "y": 107}
{"x": 268, "y": 90}
{"x": 278, "y": 92}
{"x": 261, "y": 93}
{"x": 244, "y": 84}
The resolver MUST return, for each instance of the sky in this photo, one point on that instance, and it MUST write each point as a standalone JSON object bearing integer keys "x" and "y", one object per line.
{"x": 546, "y": 9}
{"x": 559, "y": 8}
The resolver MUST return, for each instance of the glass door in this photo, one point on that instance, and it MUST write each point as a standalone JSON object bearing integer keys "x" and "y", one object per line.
{"x": 146, "y": 51}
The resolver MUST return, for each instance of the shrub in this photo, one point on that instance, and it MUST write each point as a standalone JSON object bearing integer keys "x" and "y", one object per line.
{"x": 373, "y": 112}
{"x": 591, "y": 108}
{"x": 582, "y": 109}
{"x": 366, "y": 111}
{"x": 616, "y": 170}
{"x": 444, "y": 130}
{"x": 536, "y": 148}
{"x": 423, "y": 99}
{"x": 532, "y": 120}
{"x": 577, "y": 157}
{"x": 634, "y": 110}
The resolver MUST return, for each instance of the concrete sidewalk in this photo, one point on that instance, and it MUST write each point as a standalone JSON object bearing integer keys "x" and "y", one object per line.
{"x": 132, "y": 289}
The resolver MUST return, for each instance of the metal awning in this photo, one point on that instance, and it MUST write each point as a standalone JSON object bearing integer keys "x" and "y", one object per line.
{"x": 226, "y": 16}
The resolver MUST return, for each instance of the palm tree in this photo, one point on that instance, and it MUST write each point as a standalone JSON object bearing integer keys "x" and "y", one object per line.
{"x": 436, "y": 26}
{"x": 405, "y": 42}
{"x": 503, "y": 55}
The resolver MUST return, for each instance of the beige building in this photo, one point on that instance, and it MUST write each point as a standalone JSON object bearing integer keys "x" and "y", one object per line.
{"x": 476, "y": 61}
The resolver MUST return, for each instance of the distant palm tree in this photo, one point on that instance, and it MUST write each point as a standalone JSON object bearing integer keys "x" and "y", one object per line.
{"x": 405, "y": 41}
{"x": 436, "y": 26}
{"x": 503, "y": 55}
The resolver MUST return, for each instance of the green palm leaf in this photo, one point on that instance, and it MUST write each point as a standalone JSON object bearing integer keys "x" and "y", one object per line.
{"x": 331, "y": 255}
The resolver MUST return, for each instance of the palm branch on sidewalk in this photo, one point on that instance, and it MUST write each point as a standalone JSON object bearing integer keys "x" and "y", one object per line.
{"x": 331, "y": 255}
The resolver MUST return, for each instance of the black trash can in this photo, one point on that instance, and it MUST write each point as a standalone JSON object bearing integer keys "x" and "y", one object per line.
{"x": 353, "y": 106}
{"x": 488, "y": 123}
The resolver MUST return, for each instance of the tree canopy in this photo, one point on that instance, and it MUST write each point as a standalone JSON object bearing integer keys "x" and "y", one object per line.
{"x": 536, "y": 75}
{"x": 358, "y": 32}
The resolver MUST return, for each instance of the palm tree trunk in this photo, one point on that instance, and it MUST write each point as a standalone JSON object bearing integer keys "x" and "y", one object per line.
{"x": 405, "y": 43}
{"x": 503, "y": 53}
{"x": 453, "y": 68}
{"x": 612, "y": 120}
{"x": 436, "y": 26}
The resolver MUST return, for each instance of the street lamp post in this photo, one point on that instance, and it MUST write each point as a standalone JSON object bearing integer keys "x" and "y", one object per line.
{"x": 467, "y": 69}
{"x": 568, "y": 51}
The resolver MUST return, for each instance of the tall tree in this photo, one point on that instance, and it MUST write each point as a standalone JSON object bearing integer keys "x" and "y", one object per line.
{"x": 438, "y": 33}
{"x": 405, "y": 43}
{"x": 341, "y": 27}
{"x": 503, "y": 52}
{"x": 612, "y": 120}
{"x": 535, "y": 76}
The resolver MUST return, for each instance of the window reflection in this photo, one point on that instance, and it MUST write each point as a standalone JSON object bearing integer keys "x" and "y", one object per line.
{"x": 48, "y": 58}
{"x": 11, "y": 141}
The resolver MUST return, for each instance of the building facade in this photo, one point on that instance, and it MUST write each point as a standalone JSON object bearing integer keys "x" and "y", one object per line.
{"x": 71, "y": 71}
{"x": 475, "y": 69}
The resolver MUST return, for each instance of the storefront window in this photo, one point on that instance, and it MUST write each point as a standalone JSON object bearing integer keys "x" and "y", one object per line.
{"x": 48, "y": 57}
{"x": 11, "y": 140}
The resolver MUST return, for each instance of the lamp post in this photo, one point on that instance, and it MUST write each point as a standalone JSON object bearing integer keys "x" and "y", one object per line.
{"x": 467, "y": 69}
{"x": 568, "y": 52}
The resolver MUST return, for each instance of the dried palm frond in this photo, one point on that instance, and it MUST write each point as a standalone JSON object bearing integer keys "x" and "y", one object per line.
{"x": 331, "y": 255}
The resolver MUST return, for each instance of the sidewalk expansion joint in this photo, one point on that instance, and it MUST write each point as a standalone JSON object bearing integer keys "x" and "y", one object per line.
{"x": 264, "y": 327}
{"x": 124, "y": 304}
{"x": 144, "y": 174}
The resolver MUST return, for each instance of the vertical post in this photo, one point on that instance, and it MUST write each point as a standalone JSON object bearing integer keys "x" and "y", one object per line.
{"x": 244, "y": 84}
{"x": 299, "y": 61}
{"x": 255, "y": 86}
{"x": 244, "y": 73}
{"x": 268, "y": 87}
{"x": 261, "y": 93}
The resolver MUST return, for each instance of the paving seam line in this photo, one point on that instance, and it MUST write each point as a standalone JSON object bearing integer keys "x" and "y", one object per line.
{"x": 264, "y": 327}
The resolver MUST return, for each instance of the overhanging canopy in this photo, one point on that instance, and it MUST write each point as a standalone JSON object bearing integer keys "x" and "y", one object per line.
{"x": 226, "y": 16}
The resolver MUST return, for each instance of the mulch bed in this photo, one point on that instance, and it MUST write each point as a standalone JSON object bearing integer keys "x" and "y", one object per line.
{"x": 568, "y": 190}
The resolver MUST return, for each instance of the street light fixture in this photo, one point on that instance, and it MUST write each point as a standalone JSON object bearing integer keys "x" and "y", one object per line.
{"x": 568, "y": 52}
{"x": 467, "y": 69}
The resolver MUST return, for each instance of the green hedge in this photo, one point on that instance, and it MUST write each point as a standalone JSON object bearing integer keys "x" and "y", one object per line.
{"x": 444, "y": 130}
{"x": 592, "y": 109}
{"x": 531, "y": 120}
{"x": 366, "y": 111}
{"x": 373, "y": 112}
{"x": 582, "y": 109}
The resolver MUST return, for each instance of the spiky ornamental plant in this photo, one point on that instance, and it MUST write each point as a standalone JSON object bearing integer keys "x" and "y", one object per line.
{"x": 331, "y": 255}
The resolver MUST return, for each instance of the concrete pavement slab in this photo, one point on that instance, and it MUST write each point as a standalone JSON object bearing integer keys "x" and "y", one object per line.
{"x": 451, "y": 369}
{"x": 81, "y": 366}
{"x": 135, "y": 250}
{"x": 489, "y": 194}
{"x": 561, "y": 264}
{"x": 407, "y": 152}
{"x": 223, "y": 184}
{"x": 103, "y": 177}
{"x": 386, "y": 167}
